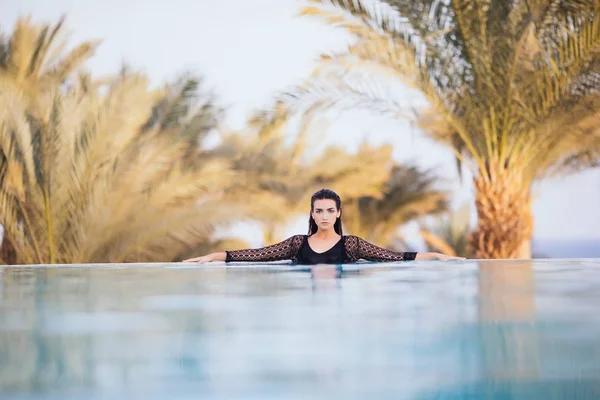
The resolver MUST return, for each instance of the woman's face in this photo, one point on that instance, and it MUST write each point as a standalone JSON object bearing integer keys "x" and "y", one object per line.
{"x": 325, "y": 213}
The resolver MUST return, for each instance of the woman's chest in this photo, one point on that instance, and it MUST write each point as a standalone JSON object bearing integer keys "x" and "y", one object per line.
{"x": 325, "y": 252}
{"x": 322, "y": 246}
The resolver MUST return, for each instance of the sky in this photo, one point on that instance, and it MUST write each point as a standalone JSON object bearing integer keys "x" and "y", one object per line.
{"x": 248, "y": 50}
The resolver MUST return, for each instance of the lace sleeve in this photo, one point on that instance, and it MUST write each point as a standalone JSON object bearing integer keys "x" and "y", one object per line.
{"x": 280, "y": 251}
{"x": 358, "y": 248}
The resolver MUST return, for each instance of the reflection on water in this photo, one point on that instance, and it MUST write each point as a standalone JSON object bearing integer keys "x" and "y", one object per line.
{"x": 507, "y": 321}
{"x": 493, "y": 329}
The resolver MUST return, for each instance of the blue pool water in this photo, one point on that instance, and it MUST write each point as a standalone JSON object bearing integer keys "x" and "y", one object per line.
{"x": 414, "y": 330}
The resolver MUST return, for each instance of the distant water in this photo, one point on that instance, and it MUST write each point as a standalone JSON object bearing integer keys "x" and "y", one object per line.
{"x": 500, "y": 330}
{"x": 567, "y": 248}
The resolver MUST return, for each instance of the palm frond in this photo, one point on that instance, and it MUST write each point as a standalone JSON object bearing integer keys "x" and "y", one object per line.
{"x": 408, "y": 194}
{"x": 35, "y": 56}
{"x": 72, "y": 61}
{"x": 449, "y": 232}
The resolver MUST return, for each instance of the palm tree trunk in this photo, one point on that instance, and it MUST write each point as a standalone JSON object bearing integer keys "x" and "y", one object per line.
{"x": 8, "y": 254}
{"x": 504, "y": 219}
{"x": 525, "y": 250}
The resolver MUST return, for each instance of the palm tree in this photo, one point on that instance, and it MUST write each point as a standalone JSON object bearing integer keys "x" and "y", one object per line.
{"x": 35, "y": 66}
{"x": 512, "y": 89}
{"x": 85, "y": 178}
{"x": 35, "y": 58}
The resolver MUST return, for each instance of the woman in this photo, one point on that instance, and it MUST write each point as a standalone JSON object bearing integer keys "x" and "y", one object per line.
{"x": 324, "y": 244}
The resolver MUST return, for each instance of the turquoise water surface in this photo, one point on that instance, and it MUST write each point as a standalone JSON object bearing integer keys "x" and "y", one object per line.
{"x": 412, "y": 330}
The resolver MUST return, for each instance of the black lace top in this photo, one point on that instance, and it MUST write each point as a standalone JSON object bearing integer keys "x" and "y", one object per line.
{"x": 296, "y": 248}
{"x": 307, "y": 256}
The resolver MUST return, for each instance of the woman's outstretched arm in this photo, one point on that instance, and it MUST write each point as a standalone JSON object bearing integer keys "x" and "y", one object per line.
{"x": 359, "y": 248}
{"x": 284, "y": 250}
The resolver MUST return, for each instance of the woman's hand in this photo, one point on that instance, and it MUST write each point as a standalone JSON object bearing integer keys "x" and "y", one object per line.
{"x": 445, "y": 257}
{"x": 426, "y": 256}
{"x": 199, "y": 260}
{"x": 207, "y": 258}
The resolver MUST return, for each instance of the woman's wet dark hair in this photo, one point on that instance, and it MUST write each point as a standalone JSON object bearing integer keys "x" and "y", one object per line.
{"x": 322, "y": 195}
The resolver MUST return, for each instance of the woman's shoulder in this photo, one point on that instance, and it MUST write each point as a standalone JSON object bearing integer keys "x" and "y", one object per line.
{"x": 297, "y": 238}
{"x": 351, "y": 240}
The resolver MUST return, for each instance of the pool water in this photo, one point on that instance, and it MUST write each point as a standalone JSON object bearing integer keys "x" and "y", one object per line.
{"x": 412, "y": 330}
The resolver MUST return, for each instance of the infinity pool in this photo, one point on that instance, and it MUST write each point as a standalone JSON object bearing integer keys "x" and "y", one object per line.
{"x": 414, "y": 330}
